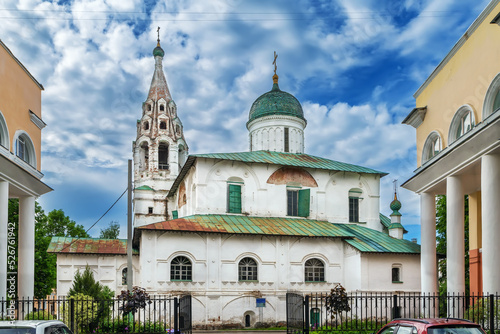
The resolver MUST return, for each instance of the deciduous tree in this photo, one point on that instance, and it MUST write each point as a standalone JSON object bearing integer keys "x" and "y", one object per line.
{"x": 110, "y": 232}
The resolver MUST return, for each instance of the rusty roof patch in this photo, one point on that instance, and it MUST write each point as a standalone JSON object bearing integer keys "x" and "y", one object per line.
{"x": 89, "y": 246}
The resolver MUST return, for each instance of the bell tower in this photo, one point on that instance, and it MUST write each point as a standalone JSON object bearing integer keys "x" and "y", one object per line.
{"x": 160, "y": 149}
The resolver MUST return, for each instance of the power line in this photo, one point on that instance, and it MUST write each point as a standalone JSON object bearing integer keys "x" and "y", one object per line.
{"x": 199, "y": 20}
{"x": 78, "y": 238}
{"x": 155, "y": 15}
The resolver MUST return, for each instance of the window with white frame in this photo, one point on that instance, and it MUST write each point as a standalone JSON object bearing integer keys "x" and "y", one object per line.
{"x": 491, "y": 102}
{"x": 247, "y": 269}
{"x": 462, "y": 122}
{"x": 432, "y": 146}
{"x": 25, "y": 150}
{"x": 314, "y": 270}
{"x": 4, "y": 133}
{"x": 354, "y": 200}
{"x": 181, "y": 269}
{"x": 298, "y": 201}
{"x": 396, "y": 273}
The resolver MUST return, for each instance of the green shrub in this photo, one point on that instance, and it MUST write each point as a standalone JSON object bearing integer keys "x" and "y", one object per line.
{"x": 85, "y": 312}
{"x": 39, "y": 315}
{"x": 124, "y": 326}
{"x": 353, "y": 326}
{"x": 480, "y": 312}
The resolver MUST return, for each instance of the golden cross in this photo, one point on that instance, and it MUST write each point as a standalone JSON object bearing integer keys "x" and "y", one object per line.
{"x": 274, "y": 62}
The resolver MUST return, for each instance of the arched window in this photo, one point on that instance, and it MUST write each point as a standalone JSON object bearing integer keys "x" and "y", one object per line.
{"x": 144, "y": 156}
{"x": 314, "y": 270}
{"x": 163, "y": 125}
{"x": 181, "y": 269}
{"x": 25, "y": 149}
{"x": 462, "y": 122}
{"x": 492, "y": 98}
{"x": 149, "y": 107}
{"x": 432, "y": 146}
{"x": 4, "y": 132}
{"x": 162, "y": 107}
{"x": 145, "y": 125}
{"x": 124, "y": 276}
{"x": 163, "y": 156}
{"x": 354, "y": 198}
{"x": 247, "y": 269}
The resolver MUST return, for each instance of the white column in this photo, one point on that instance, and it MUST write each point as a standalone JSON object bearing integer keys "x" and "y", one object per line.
{"x": 4, "y": 214}
{"x": 26, "y": 247}
{"x": 490, "y": 211}
{"x": 455, "y": 235}
{"x": 428, "y": 262}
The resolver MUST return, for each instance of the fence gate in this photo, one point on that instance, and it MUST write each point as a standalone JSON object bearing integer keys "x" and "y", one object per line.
{"x": 183, "y": 315}
{"x": 297, "y": 318}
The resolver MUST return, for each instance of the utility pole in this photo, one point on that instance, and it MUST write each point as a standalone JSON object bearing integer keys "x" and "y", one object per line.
{"x": 130, "y": 268}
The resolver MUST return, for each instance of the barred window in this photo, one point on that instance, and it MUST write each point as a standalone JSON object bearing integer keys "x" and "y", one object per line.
{"x": 181, "y": 269}
{"x": 247, "y": 270}
{"x": 353, "y": 209}
{"x": 354, "y": 198}
{"x": 314, "y": 271}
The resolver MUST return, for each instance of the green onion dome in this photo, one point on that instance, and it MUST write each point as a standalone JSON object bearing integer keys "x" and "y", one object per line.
{"x": 395, "y": 206}
{"x": 158, "y": 51}
{"x": 276, "y": 102}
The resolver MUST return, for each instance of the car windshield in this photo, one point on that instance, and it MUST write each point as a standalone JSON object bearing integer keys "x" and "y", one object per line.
{"x": 17, "y": 330}
{"x": 458, "y": 329}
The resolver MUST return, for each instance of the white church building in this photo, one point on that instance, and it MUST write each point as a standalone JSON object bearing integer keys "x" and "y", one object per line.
{"x": 232, "y": 227}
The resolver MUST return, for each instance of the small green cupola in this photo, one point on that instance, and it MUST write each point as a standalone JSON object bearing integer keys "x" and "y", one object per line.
{"x": 396, "y": 230}
{"x": 395, "y": 206}
{"x": 158, "y": 51}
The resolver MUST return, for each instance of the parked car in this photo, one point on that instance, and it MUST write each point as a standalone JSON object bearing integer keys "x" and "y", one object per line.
{"x": 431, "y": 326}
{"x": 34, "y": 327}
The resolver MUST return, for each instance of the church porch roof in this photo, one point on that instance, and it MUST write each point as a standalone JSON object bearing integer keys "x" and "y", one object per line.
{"x": 363, "y": 239}
{"x": 65, "y": 245}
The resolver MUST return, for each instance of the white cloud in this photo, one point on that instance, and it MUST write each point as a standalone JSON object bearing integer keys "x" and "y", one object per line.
{"x": 94, "y": 59}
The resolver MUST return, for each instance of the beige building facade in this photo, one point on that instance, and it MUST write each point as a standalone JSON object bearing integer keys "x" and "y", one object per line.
{"x": 20, "y": 164}
{"x": 457, "y": 121}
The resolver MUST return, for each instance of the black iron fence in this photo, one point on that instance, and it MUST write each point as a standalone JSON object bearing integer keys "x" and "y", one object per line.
{"x": 85, "y": 315}
{"x": 368, "y": 312}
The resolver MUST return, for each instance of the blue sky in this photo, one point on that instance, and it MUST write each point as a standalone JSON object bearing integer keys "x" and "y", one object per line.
{"x": 353, "y": 64}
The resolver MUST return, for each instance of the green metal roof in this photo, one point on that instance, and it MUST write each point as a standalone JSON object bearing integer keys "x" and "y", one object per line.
{"x": 144, "y": 188}
{"x": 89, "y": 246}
{"x": 275, "y": 158}
{"x": 362, "y": 238}
{"x": 384, "y": 220}
{"x": 290, "y": 159}
{"x": 276, "y": 102}
{"x": 395, "y": 225}
{"x": 372, "y": 241}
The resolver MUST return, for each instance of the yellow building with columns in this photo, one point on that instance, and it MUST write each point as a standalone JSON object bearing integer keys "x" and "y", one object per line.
{"x": 457, "y": 121}
{"x": 20, "y": 164}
